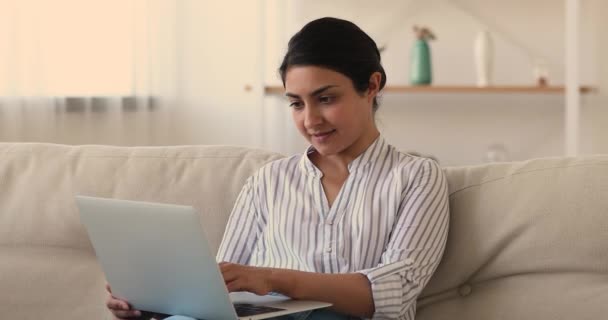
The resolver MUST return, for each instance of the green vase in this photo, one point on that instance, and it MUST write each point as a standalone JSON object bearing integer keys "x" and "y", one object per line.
{"x": 420, "y": 63}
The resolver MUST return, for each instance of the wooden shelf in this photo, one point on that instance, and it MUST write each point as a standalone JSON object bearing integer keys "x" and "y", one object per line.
{"x": 463, "y": 89}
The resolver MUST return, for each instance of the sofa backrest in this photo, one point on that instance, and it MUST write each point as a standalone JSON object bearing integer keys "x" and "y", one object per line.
{"x": 38, "y": 183}
{"x": 527, "y": 240}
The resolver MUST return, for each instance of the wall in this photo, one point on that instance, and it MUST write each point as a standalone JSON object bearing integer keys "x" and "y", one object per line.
{"x": 221, "y": 54}
{"x": 222, "y": 50}
{"x": 597, "y": 116}
{"x": 458, "y": 129}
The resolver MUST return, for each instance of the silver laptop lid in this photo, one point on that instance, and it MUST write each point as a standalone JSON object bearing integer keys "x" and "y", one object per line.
{"x": 137, "y": 241}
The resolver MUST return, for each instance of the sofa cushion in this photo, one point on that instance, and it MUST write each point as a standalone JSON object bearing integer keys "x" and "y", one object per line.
{"x": 51, "y": 283}
{"x": 527, "y": 240}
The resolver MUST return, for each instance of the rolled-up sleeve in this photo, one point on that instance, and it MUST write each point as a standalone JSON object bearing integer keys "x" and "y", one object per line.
{"x": 243, "y": 229}
{"x": 416, "y": 244}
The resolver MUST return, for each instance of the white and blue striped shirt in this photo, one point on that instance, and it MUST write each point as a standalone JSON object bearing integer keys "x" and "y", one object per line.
{"x": 388, "y": 222}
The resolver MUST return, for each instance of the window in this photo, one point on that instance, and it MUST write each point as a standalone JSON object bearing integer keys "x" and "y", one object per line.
{"x": 67, "y": 47}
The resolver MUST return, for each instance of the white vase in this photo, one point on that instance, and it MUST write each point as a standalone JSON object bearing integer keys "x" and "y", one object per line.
{"x": 484, "y": 52}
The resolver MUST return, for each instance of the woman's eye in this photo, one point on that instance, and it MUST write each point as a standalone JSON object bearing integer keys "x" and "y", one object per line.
{"x": 326, "y": 99}
{"x": 295, "y": 104}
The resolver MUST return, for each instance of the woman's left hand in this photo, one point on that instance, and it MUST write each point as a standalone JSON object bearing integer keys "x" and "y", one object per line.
{"x": 240, "y": 277}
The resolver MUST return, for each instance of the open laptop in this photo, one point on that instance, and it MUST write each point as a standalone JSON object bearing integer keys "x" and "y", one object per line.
{"x": 156, "y": 256}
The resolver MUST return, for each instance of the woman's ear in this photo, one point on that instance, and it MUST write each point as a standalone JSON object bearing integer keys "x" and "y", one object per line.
{"x": 374, "y": 85}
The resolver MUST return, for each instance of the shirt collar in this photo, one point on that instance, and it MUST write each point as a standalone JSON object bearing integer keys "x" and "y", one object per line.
{"x": 375, "y": 151}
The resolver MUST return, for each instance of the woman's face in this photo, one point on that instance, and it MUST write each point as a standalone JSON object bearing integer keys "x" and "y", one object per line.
{"x": 328, "y": 112}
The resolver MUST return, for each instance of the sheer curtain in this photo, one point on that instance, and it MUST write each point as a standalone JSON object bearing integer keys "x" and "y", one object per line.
{"x": 74, "y": 71}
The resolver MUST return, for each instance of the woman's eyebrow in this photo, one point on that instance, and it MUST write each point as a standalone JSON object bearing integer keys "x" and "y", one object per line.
{"x": 314, "y": 93}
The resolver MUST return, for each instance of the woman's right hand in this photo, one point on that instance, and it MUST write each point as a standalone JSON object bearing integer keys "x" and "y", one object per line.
{"x": 120, "y": 308}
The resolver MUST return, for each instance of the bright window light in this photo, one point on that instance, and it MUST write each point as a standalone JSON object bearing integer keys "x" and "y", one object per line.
{"x": 66, "y": 47}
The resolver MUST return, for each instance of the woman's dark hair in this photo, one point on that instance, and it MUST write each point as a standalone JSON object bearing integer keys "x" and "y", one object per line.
{"x": 338, "y": 45}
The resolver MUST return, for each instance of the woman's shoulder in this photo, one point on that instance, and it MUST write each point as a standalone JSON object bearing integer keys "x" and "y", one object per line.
{"x": 278, "y": 167}
{"x": 409, "y": 163}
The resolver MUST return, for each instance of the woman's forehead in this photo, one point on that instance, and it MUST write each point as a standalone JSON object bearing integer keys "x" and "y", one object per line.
{"x": 305, "y": 79}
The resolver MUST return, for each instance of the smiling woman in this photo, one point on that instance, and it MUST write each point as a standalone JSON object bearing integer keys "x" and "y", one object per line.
{"x": 351, "y": 221}
{"x": 333, "y": 115}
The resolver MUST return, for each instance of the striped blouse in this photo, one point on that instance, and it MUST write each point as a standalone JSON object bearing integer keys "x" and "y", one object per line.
{"x": 389, "y": 222}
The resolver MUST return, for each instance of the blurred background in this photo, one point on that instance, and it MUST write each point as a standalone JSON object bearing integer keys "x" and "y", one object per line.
{"x": 152, "y": 72}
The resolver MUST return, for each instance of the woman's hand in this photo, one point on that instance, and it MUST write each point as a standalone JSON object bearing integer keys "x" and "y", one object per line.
{"x": 120, "y": 308}
{"x": 239, "y": 277}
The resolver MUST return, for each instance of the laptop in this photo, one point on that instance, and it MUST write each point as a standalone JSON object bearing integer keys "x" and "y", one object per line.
{"x": 156, "y": 256}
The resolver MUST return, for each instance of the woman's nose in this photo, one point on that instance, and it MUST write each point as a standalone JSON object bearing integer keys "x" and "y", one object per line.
{"x": 312, "y": 117}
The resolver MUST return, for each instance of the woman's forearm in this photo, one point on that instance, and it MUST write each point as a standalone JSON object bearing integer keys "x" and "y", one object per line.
{"x": 349, "y": 293}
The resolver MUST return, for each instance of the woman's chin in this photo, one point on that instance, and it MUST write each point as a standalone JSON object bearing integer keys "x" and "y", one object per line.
{"x": 326, "y": 149}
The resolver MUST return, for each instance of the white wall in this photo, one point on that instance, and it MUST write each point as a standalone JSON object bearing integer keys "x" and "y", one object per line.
{"x": 596, "y": 115}
{"x": 221, "y": 54}
{"x": 456, "y": 128}
{"x": 222, "y": 49}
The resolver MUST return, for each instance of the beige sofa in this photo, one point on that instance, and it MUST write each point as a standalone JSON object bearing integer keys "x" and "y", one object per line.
{"x": 528, "y": 240}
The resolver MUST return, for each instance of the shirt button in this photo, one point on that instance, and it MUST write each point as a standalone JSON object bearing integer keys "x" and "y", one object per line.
{"x": 328, "y": 249}
{"x": 465, "y": 290}
{"x": 331, "y": 223}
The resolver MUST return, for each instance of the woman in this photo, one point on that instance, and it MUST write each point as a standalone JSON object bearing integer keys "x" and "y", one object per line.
{"x": 352, "y": 221}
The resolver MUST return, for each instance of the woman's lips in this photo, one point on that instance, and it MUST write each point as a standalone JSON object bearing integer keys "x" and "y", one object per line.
{"x": 323, "y": 136}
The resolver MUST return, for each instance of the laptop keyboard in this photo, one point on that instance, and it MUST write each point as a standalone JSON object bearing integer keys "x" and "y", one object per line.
{"x": 246, "y": 310}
